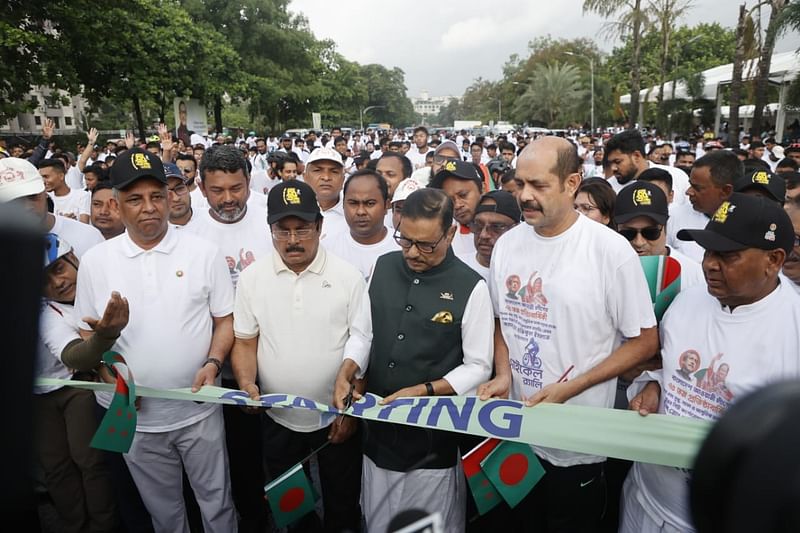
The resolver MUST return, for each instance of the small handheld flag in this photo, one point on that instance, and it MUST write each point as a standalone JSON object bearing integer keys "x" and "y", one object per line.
{"x": 663, "y": 275}
{"x": 485, "y": 495}
{"x": 118, "y": 426}
{"x": 290, "y": 496}
{"x": 514, "y": 470}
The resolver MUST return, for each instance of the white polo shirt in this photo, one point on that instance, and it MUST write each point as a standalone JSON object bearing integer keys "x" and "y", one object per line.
{"x": 173, "y": 291}
{"x": 305, "y": 324}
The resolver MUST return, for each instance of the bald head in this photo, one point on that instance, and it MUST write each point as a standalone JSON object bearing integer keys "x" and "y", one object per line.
{"x": 562, "y": 155}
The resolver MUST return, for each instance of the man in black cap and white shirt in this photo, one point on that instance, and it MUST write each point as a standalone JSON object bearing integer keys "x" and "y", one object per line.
{"x": 179, "y": 332}
{"x": 718, "y": 343}
{"x": 497, "y": 212}
{"x": 297, "y": 316}
{"x": 763, "y": 183}
{"x": 641, "y": 213}
{"x": 462, "y": 182}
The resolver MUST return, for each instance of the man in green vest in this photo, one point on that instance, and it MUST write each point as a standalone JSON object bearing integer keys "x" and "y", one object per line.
{"x": 432, "y": 326}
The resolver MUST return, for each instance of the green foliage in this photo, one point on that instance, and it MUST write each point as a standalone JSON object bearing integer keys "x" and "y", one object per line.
{"x": 552, "y": 96}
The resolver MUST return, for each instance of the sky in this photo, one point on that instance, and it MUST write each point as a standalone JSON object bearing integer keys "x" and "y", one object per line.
{"x": 442, "y": 46}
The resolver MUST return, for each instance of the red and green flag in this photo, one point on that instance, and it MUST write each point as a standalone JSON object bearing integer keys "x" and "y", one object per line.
{"x": 514, "y": 470}
{"x": 483, "y": 492}
{"x": 663, "y": 275}
{"x": 118, "y": 426}
{"x": 290, "y": 496}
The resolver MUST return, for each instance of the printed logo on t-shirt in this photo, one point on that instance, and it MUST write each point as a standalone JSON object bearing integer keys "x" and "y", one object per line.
{"x": 246, "y": 258}
{"x": 698, "y": 392}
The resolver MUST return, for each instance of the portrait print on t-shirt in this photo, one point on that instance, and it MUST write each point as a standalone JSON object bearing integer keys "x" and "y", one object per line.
{"x": 698, "y": 392}
{"x": 526, "y": 311}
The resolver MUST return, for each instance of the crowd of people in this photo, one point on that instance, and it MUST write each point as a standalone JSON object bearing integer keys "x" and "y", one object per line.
{"x": 445, "y": 264}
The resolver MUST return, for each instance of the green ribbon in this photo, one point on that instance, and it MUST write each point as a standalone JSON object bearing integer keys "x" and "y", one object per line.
{"x": 658, "y": 439}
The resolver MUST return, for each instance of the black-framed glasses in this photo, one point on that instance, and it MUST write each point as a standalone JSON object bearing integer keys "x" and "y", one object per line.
{"x": 796, "y": 240}
{"x": 650, "y": 233}
{"x": 284, "y": 234}
{"x": 422, "y": 246}
{"x": 180, "y": 190}
{"x": 494, "y": 228}
{"x": 441, "y": 160}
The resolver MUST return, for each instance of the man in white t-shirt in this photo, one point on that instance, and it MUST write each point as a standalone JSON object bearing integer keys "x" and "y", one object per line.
{"x": 417, "y": 153}
{"x": 566, "y": 292}
{"x": 181, "y": 213}
{"x": 21, "y": 182}
{"x": 641, "y": 213}
{"x": 366, "y": 201}
{"x": 497, "y": 212}
{"x": 324, "y": 172}
{"x": 297, "y": 316}
{"x": 179, "y": 331}
{"x": 626, "y": 155}
{"x": 446, "y": 150}
{"x": 238, "y": 226}
{"x": 462, "y": 182}
{"x": 718, "y": 343}
{"x": 711, "y": 183}
{"x": 67, "y": 202}
{"x": 105, "y": 211}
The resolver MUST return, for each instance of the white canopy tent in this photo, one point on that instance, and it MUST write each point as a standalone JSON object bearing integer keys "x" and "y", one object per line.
{"x": 784, "y": 67}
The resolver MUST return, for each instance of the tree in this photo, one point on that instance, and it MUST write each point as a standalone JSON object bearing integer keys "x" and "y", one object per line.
{"x": 736, "y": 76}
{"x": 666, "y": 13}
{"x": 554, "y": 92}
{"x": 765, "y": 59}
{"x": 632, "y": 21}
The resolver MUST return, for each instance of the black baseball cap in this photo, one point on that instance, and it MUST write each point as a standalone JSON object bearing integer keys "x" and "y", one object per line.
{"x": 292, "y": 198}
{"x": 762, "y": 180}
{"x": 641, "y": 199}
{"x": 744, "y": 221}
{"x": 135, "y": 164}
{"x": 456, "y": 168}
{"x": 504, "y": 204}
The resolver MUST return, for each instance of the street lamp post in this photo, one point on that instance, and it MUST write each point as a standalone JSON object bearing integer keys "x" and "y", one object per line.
{"x": 591, "y": 82}
{"x": 499, "y": 110}
{"x": 362, "y": 111}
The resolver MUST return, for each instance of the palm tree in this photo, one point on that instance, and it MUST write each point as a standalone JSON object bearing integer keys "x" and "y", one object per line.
{"x": 553, "y": 95}
{"x": 632, "y": 21}
{"x": 745, "y": 41}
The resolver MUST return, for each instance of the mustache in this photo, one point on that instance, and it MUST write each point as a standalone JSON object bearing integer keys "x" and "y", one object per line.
{"x": 295, "y": 248}
{"x": 530, "y": 205}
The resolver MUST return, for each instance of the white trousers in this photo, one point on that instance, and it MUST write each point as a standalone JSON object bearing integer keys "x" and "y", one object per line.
{"x": 156, "y": 461}
{"x": 634, "y": 518}
{"x": 385, "y": 493}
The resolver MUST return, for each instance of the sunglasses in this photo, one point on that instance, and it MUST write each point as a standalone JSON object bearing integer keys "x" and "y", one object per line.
{"x": 650, "y": 234}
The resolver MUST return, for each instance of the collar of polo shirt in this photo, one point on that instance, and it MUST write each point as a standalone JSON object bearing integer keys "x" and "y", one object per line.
{"x": 164, "y": 246}
{"x": 316, "y": 266}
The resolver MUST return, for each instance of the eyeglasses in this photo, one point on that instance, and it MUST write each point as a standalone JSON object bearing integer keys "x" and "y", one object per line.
{"x": 300, "y": 234}
{"x": 441, "y": 160}
{"x": 424, "y": 247}
{"x": 796, "y": 240}
{"x": 496, "y": 228}
{"x": 180, "y": 190}
{"x": 585, "y": 208}
{"x": 650, "y": 234}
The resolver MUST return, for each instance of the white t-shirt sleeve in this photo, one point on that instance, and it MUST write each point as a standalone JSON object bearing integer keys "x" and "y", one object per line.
{"x": 55, "y": 332}
{"x": 477, "y": 335}
{"x": 245, "y": 325}
{"x": 628, "y": 299}
{"x": 220, "y": 298}
{"x": 359, "y": 320}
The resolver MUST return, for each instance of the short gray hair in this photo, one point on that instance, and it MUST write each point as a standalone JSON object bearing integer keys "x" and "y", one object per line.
{"x": 224, "y": 157}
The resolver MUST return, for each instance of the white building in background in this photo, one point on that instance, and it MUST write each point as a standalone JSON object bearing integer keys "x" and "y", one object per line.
{"x": 427, "y": 105}
{"x": 64, "y": 110}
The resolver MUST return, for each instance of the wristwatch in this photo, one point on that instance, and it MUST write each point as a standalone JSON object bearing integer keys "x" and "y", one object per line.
{"x": 216, "y": 362}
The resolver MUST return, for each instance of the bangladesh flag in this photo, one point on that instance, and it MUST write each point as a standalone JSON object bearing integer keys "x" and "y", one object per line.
{"x": 514, "y": 470}
{"x": 485, "y": 495}
{"x": 663, "y": 275}
{"x": 290, "y": 496}
{"x": 118, "y": 426}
